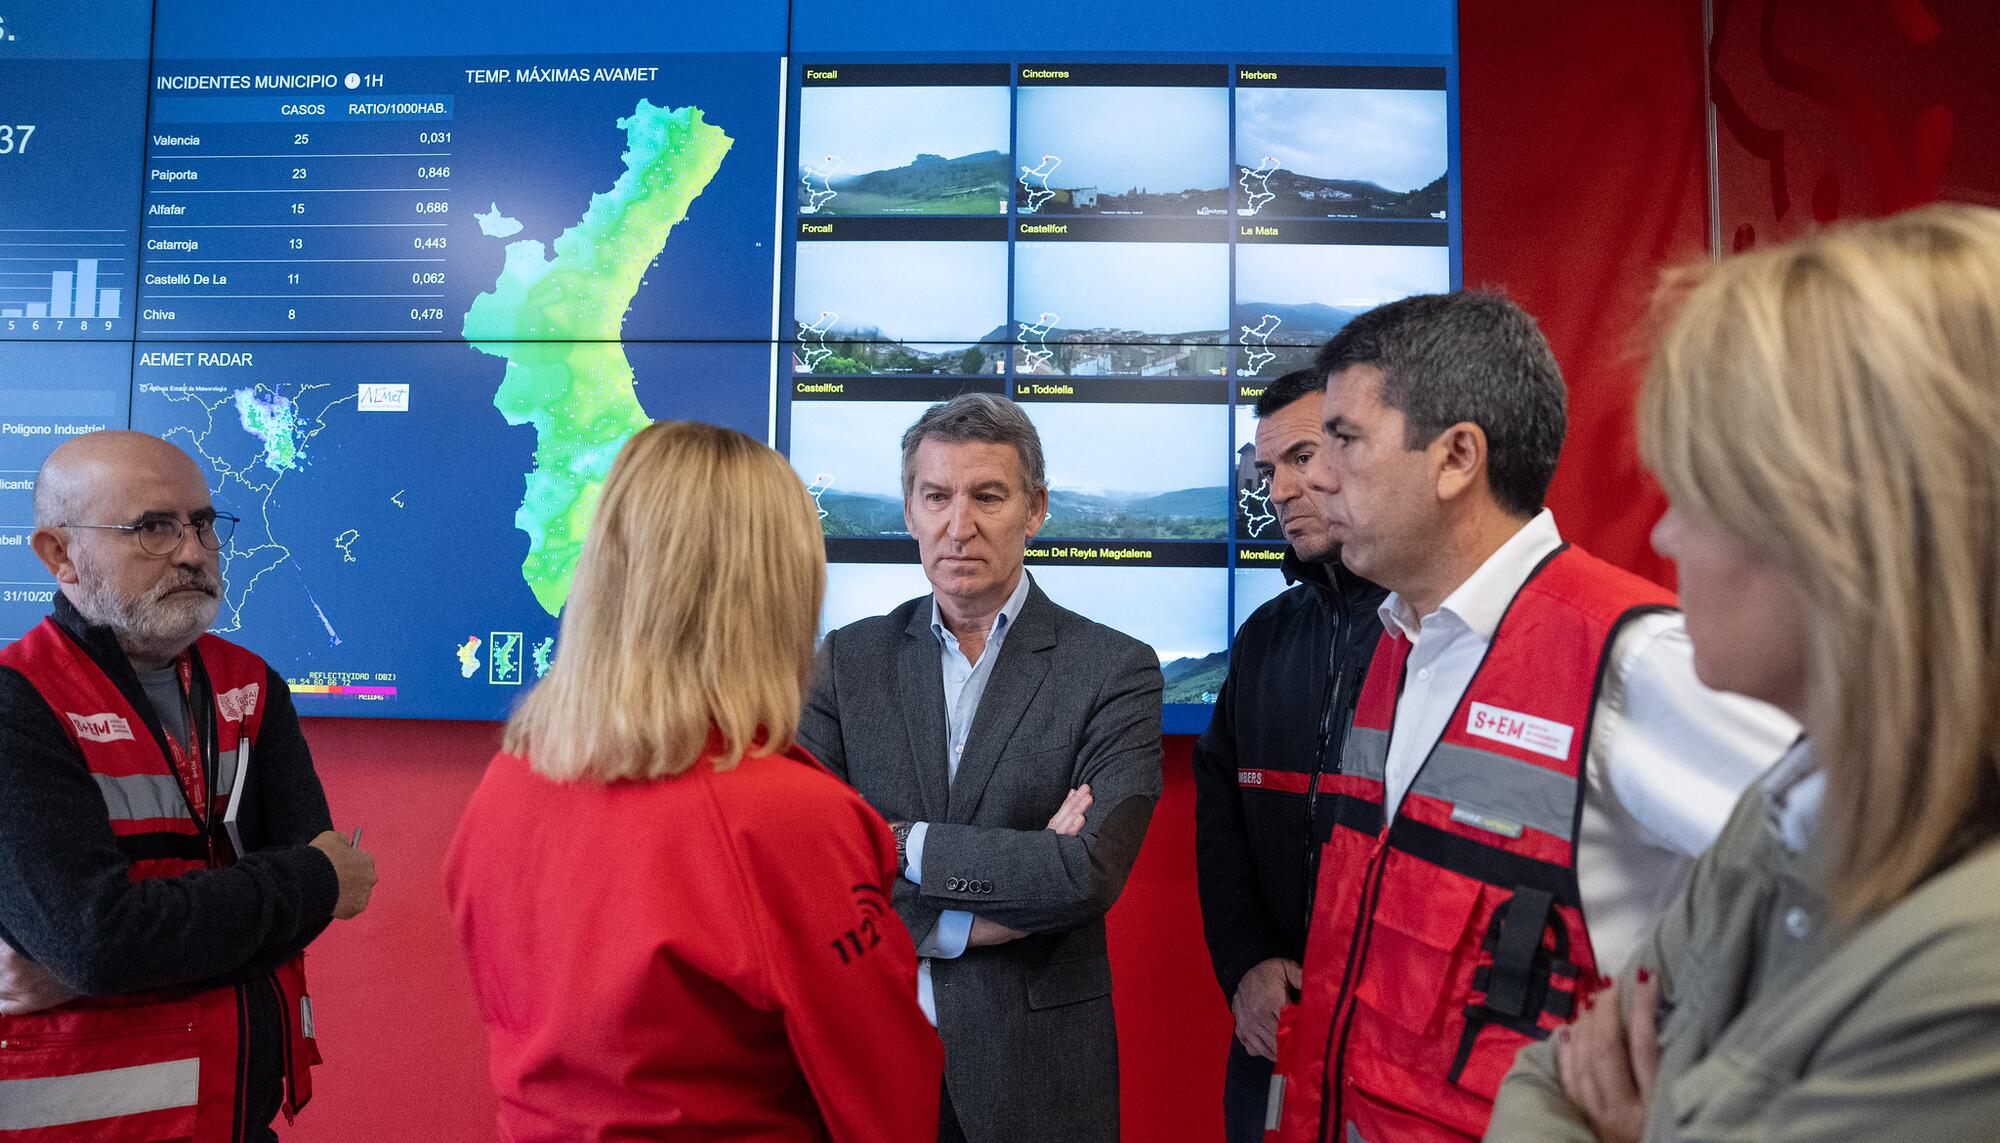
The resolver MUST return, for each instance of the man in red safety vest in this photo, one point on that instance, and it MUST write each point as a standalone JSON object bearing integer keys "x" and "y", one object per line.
{"x": 151, "y": 975}
{"x": 1532, "y": 764}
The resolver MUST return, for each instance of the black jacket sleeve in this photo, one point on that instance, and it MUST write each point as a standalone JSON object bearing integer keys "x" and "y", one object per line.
{"x": 1232, "y": 912}
{"x": 68, "y": 902}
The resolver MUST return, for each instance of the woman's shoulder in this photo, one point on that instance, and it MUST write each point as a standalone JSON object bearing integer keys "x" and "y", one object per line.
{"x": 793, "y": 785}
{"x": 1956, "y": 906}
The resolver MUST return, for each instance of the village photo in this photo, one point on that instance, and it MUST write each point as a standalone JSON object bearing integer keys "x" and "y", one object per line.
{"x": 1122, "y": 150}
{"x": 1249, "y": 492}
{"x": 1175, "y": 611}
{"x": 1341, "y": 153}
{"x": 1121, "y": 309}
{"x": 903, "y": 150}
{"x": 1133, "y": 471}
{"x": 900, "y": 307}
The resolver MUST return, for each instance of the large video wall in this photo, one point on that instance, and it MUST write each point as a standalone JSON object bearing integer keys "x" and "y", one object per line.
{"x": 405, "y": 281}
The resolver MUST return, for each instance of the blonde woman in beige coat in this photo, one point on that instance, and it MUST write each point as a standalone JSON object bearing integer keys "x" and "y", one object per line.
{"x": 1825, "y": 418}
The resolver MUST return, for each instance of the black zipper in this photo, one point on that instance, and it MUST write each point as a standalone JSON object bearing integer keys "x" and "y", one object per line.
{"x": 285, "y": 1039}
{"x": 1336, "y": 668}
{"x": 239, "y": 1130}
{"x": 1343, "y": 1011}
{"x": 1330, "y": 1088}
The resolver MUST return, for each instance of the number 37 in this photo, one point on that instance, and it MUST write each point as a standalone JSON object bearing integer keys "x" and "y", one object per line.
{"x": 15, "y": 138}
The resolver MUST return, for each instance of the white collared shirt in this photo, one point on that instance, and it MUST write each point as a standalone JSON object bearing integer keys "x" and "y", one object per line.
{"x": 964, "y": 685}
{"x": 1667, "y": 757}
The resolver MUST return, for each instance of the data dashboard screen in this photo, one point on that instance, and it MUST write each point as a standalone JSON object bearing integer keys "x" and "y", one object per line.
{"x": 403, "y": 283}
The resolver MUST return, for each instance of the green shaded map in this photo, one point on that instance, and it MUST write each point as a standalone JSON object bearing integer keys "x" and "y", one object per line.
{"x": 556, "y": 322}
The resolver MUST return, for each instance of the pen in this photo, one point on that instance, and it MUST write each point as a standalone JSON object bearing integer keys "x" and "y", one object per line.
{"x": 355, "y": 841}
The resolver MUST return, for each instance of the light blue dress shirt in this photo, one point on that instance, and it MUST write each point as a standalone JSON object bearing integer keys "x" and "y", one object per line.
{"x": 964, "y": 685}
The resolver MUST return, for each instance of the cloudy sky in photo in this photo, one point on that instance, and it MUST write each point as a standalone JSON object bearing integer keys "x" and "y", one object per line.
{"x": 1394, "y": 139}
{"x": 881, "y": 128}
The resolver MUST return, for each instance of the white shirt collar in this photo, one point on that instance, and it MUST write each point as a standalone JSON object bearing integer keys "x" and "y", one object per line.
{"x": 1795, "y": 788}
{"x": 1482, "y": 599}
{"x": 1008, "y": 611}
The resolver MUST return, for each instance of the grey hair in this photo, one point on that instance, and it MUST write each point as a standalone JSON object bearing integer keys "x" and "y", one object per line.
{"x": 56, "y": 494}
{"x": 983, "y": 417}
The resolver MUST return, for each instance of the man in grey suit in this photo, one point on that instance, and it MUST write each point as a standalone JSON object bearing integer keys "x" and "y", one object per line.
{"x": 1014, "y": 748}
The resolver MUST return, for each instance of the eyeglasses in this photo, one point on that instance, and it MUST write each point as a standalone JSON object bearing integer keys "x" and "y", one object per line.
{"x": 161, "y": 535}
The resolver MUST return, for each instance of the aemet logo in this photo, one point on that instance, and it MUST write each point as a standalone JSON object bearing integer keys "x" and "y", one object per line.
{"x": 6, "y": 37}
{"x": 105, "y": 727}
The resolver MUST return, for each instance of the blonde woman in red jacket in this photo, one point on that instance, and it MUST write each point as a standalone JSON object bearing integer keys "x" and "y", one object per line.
{"x": 678, "y": 925}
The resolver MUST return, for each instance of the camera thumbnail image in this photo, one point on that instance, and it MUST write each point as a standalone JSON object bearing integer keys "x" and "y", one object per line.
{"x": 1249, "y": 492}
{"x": 1176, "y": 611}
{"x": 1133, "y": 471}
{"x": 903, "y": 150}
{"x": 850, "y": 455}
{"x": 857, "y": 591}
{"x": 900, "y": 307}
{"x": 1342, "y": 153}
{"x": 1122, "y": 150}
{"x": 1299, "y": 296}
{"x": 1133, "y": 309}
{"x": 1253, "y": 588}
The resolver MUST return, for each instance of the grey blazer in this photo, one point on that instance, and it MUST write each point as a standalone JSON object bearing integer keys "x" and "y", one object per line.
{"x": 1031, "y": 1048}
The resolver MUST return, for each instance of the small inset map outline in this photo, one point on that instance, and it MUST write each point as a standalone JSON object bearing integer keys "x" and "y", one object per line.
{"x": 1256, "y": 198}
{"x": 1039, "y": 191}
{"x": 1255, "y": 505}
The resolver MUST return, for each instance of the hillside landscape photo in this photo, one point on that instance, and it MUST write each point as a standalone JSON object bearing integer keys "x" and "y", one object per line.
{"x": 1342, "y": 153}
{"x": 903, "y": 150}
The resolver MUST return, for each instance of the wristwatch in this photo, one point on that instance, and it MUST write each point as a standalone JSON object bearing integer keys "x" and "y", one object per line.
{"x": 902, "y": 832}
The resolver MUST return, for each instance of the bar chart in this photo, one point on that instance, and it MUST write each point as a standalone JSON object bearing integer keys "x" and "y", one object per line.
{"x": 57, "y": 282}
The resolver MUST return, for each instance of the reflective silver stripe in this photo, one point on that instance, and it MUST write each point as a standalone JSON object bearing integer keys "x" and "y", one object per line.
{"x": 225, "y": 773}
{"x": 52, "y": 1101}
{"x": 1354, "y": 1133}
{"x": 1497, "y": 787}
{"x": 1366, "y": 754}
{"x": 141, "y": 796}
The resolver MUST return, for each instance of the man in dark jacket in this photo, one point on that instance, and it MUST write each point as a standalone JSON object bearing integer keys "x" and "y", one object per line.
{"x": 1283, "y": 712}
{"x": 126, "y": 905}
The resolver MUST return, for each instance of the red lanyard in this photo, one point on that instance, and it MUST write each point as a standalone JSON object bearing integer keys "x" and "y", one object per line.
{"x": 187, "y": 760}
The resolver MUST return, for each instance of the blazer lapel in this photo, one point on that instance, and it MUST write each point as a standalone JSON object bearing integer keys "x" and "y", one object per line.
{"x": 920, "y": 675}
{"x": 1017, "y": 676}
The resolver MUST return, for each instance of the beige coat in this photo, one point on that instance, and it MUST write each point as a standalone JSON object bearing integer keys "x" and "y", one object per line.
{"x": 1782, "y": 1029}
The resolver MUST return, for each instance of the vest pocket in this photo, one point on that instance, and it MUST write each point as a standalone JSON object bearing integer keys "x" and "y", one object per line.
{"x": 81, "y": 1075}
{"x": 1523, "y": 984}
{"x": 1420, "y": 946}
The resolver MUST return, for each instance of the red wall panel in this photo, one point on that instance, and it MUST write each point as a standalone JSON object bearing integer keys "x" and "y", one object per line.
{"x": 1851, "y": 110}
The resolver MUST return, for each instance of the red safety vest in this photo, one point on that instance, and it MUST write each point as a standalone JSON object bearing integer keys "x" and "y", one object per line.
{"x": 157, "y": 1065}
{"x": 1449, "y": 937}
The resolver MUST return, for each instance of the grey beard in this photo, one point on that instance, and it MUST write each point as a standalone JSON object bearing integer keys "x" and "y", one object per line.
{"x": 152, "y": 628}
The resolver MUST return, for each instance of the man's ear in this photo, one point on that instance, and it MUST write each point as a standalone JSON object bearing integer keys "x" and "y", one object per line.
{"x": 53, "y": 549}
{"x": 1458, "y": 459}
{"x": 1039, "y": 512}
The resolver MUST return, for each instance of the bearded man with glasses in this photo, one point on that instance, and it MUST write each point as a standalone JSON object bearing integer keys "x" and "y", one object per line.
{"x": 151, "y": 980}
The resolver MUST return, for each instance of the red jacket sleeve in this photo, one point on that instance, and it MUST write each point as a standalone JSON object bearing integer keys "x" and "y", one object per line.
{"x": 842, "y": 967}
